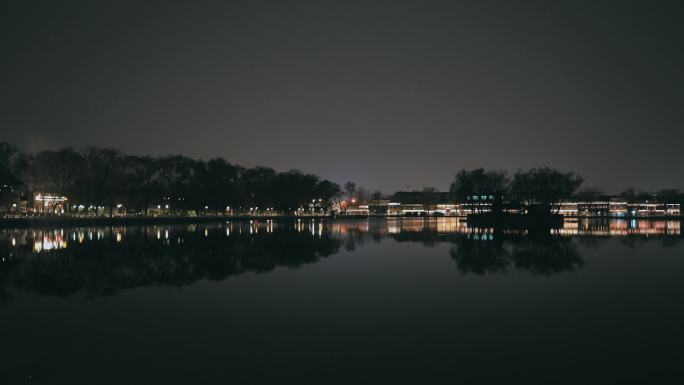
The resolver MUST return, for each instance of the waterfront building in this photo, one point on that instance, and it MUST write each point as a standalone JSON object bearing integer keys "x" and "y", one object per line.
{"x": 591, "y": 209}
{"x": 672, "y": 209}
{"x": 446, "y": 209}
{"x": 413, "y": 209}
{"x": 356, "y": 209}
{"x": 612, "y": 208}
{"x": 475, "y": 206}
{"x": 49, "y": 203}
{"x": 616, "y": 208}
{"x": 394, "y": 208}
{"x": 648, "y": 209}
{"x": 380, "y": 207}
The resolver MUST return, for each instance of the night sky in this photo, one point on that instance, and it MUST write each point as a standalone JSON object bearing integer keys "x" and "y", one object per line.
{"x": 388, "y": 94}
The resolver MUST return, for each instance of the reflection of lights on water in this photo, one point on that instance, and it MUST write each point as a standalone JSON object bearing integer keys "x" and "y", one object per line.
{"x": 227, "y": 231}
{"x": 206, "y": 233}
{"x": 118, "y": 237}
{"x": 48, "y": 243}
{"x": 14, "y": 241}
{"x": 166, "y": 234}
{"x": 158, "y": 234}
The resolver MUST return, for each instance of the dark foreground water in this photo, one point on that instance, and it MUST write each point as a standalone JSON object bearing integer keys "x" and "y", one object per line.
{"x": 379, "y": 301}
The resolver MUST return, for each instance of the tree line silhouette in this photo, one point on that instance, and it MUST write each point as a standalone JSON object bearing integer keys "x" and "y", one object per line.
{"x": 539, "y": 188}
{"x": 107, "y": 177}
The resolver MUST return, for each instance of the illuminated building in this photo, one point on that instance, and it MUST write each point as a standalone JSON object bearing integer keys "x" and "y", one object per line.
{"x": 616, "y": 208}
{"x": 447, "y": 209}
{"x": 648, "y": 209}
{"x": 384, "y": 207}
{"x": 355, "y": 209}
{"x": 673, "y": 209}
{"x": 593, "y": 208}
{"x": 413, "y": 209}
{"x": 47, "y": 203}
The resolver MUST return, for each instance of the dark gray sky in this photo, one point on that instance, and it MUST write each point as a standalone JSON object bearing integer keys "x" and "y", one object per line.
{"x": 387, "y": 93}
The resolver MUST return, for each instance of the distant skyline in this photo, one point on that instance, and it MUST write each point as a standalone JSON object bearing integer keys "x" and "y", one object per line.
{"x": 389, "y": 95}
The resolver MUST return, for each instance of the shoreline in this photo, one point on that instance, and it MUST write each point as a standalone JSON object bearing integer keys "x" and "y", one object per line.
{"x": 132, "y": 221}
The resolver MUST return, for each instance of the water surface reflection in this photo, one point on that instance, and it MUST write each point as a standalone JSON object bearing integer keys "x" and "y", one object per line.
{"x": 358, "y": 301}
{"x": 104, "y": 261}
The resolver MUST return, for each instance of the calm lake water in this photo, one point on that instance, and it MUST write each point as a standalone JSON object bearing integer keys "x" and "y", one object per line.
{"x": 358, "y": 301}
